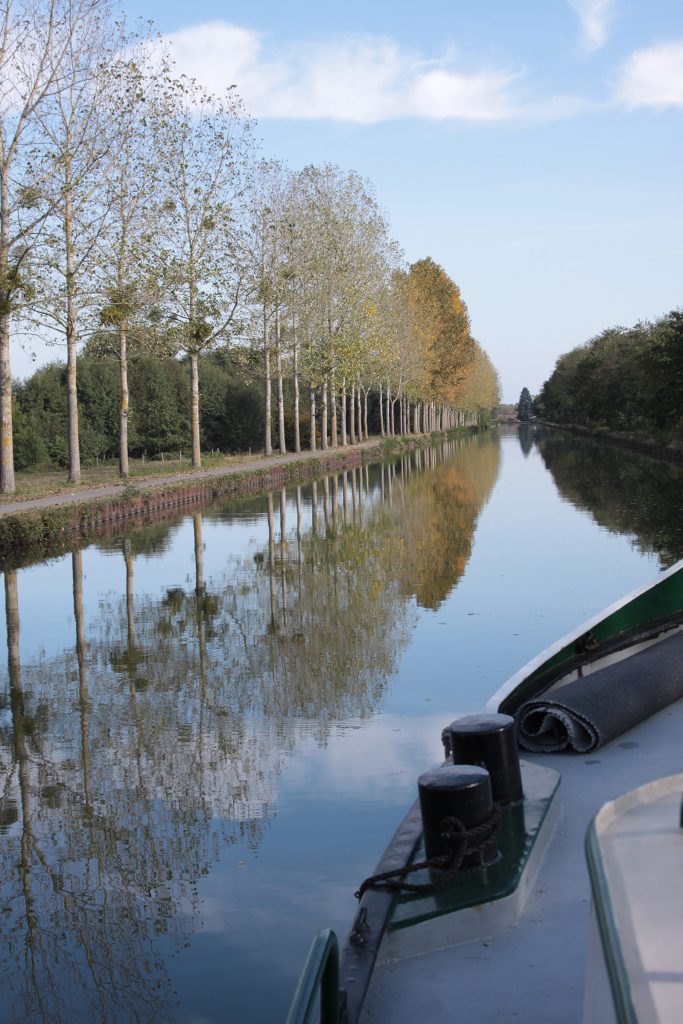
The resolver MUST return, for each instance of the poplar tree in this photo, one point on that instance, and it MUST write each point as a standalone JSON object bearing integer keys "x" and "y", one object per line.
{"x": 303, "y": 279}
{"x": 128, "y": 291}
{"x": 78, "y": 150}
{"x": 201, "y": 146}
{"x": 34, "y": 38}
{"x": 269, "y": 271}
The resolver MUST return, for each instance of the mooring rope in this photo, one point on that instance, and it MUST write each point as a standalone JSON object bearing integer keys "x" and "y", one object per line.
{"x": 459, "y": 843}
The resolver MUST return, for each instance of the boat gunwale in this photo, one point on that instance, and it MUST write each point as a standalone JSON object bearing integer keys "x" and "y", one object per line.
{"x": 523, "y": 686}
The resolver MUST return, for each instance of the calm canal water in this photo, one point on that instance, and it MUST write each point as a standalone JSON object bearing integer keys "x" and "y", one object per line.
{"x": 210, "y": 726}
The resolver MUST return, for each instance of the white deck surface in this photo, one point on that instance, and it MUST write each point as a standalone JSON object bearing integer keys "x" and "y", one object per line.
{"x": 639, "y": 843}
{"x": 535, "y": 972}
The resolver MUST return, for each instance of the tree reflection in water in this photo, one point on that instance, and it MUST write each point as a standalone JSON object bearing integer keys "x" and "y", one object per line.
{"x": 131, "y": 762}
{"x": 625, "y": 492}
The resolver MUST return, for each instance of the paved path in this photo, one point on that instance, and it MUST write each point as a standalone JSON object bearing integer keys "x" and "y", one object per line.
{"x": 152, "y": 483}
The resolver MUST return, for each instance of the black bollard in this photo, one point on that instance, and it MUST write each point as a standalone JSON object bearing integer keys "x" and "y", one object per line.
{"x": 490, "y": 740}
{"x": 454, "y": 791}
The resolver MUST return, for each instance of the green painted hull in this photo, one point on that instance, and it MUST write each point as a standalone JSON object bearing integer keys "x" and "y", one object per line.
{"x": 639, "y": 616}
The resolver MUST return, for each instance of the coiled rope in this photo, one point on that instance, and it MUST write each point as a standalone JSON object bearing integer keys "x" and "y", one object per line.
{"x": 458, "y": 842}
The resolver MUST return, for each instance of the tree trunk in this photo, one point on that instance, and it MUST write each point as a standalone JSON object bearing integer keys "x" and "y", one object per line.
{"x": 352, "y": 416}
{"x": 194, "y": 387}
{"x": 7, "y": 483}
{"x": 390, "y": 425}
{"x": 297, "y": 429}
{"x": 123, "y": 419}
{"x": 365, "y": 417}
{"x": 71, "y": 341}
{"x": 381, "y": 412}
{"x": 343, "y": 415}
{"x": 72, "y": 404}
{"x": 268, "y": 438}
{"x": 333, "y": 404}
{"x": 278, "y": 373}
{"x": 323, "y": 420}
{"x": 7, "y": 457}
{"x": 311, "y": 397}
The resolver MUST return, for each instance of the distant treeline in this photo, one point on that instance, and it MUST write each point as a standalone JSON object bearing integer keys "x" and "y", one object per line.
{"x": 626, "y": 379}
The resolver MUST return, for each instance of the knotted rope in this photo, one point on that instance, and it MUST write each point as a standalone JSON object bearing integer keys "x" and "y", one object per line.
{"x": 458, "y": 842}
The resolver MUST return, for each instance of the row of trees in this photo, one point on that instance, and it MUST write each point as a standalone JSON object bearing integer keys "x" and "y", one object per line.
{"x": 137, "y": 218}
{"x": 628, "y": 379}
{"x": 231, "y": 415}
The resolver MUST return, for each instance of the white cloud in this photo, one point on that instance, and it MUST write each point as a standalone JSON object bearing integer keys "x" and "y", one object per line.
{"x": 357, "y": 79}
{"x": 484, "y": 96}
{"x": 653, "y": 77}
{"x": 595, "y": 16}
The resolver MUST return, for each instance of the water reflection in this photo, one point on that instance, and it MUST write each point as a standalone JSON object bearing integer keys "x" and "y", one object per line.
{"x": 625, "y": 492}
{"x": 133, "y": 760}
{"x": 526, "y": 433}
{"x": 81, "y": 859}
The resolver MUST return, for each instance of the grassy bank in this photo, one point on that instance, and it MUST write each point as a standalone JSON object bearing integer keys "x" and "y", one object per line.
{"x": 44, "y": 482}
{"x": 38, "y": 533}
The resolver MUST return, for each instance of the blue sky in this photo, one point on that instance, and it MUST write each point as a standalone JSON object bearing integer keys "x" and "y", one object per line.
{"x": 533, "y": 148}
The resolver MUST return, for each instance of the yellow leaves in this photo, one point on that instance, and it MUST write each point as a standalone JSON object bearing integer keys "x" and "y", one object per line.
{"x": 439, "y": 323}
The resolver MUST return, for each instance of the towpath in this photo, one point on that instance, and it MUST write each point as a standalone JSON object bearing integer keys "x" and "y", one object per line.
{"x": 154, "y": 482}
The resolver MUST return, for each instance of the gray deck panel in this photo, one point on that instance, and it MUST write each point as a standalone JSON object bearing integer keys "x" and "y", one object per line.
{"x": 535, "y": 972}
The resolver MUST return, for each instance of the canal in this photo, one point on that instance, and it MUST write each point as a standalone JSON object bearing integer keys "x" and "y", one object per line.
{"x": 210, "y": 725}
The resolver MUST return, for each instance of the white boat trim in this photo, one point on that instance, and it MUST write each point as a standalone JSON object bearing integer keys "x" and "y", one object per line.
{"x": 635, "y": 857}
